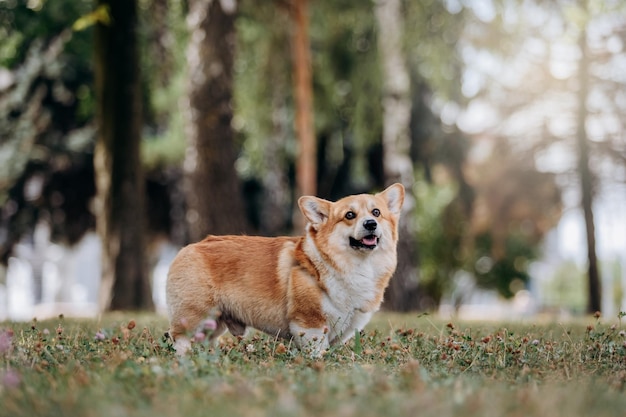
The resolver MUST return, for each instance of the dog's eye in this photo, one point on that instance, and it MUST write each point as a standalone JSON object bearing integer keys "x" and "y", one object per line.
{"x": 350, "y": 215}
{"x": 376, "y": 212}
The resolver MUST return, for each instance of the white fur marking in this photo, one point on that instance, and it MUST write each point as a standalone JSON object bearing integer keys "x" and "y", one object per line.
{"x": 182, "y": 345}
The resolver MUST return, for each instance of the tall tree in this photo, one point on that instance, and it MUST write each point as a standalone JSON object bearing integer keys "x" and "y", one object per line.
{"x": 306, "y": 166}
{"x": 570, "y": 70}
{"x": 263, "y": 113}
{"x": 215, "y": 203}
{"x": 594, "y": 302}
{"x": 403, "y": 289}
{"x": 119, "y": 178}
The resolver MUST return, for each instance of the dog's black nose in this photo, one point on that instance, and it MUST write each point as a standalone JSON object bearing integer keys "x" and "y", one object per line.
{"x": 370, "y": 224}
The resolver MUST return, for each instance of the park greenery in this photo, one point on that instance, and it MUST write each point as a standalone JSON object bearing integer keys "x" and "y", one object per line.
{"x": 495, "y": 88}
{"x": 398, "y": 365}
{"x": 483, "y": 200}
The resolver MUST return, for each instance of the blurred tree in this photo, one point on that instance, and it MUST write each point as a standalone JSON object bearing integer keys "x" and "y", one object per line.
{"x": 214, "y": 193}
{"x": 346, "y": 86}
{"x": 306, "y": 171}
{"x": 347, "y": 79}
{"x": 512, "y": 197}
{"x": 119, "y": 176}
{"x": 163, "y": 40}
{"x": 44, "y": 102}
{"x": 438, "y": 230}
{"x": 45, "y": 130}
{"x": 264, "y": 115}
{"x": 46, "y": 91}
{"x": 396, "y": 140}
{"x": 600, "y": 109}
{"x": 586, "y": 179}
{"x": 439, "y": 149}
{"x": 514, "y": 209}
{"x": 253, "y": 128}
{"x": 164, "y": 36}
{"x": 552, "y": 90}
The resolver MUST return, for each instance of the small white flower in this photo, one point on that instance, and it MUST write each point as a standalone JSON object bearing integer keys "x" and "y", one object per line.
{"x": 250, "y": 348}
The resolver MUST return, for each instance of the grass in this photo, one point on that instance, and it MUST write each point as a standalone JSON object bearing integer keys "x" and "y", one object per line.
{"x": 400, "y": 365}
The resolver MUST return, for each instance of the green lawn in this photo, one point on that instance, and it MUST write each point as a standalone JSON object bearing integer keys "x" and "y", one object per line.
{"x": 401, "y": 365}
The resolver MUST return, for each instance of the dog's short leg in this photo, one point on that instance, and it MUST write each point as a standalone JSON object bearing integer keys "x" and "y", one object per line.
{"x": 313, "y": 341}
{"x": 182, "y": 345}
{"x": 183, "y": 338}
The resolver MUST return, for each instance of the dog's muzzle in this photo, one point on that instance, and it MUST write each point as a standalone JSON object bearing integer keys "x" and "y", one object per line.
{"x": 370, "y": 238}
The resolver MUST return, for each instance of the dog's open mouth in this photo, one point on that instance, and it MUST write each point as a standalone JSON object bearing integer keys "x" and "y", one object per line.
{"x": 368, "y": 242}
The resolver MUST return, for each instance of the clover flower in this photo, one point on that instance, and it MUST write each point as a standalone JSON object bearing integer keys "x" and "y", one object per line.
{"x": 11, "y": 379}
{"x": 6, "y": 339}
{"x": 209, "y": 324}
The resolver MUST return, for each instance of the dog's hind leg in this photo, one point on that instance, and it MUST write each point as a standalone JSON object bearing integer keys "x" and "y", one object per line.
{"x": 182, "y": 340}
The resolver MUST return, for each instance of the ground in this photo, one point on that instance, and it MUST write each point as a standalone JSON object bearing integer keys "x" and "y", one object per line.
{"x": 121, "y": 365}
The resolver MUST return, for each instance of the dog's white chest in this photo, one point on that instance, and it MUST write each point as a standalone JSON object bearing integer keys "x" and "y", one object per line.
{"x": 347, "y": 298}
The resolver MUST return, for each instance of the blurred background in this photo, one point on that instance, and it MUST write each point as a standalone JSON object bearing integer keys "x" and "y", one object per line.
{"x": 129, "y": 128}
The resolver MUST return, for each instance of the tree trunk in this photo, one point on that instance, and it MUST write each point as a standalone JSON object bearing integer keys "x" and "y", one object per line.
{"x": 214, "y": 197}
{"x": 306, "y": 172}
{"x": 586, "y": 179}
{"x": 402, "y": 294}
{"x": 119, "y": 177}
{"x": 275, "y": 210}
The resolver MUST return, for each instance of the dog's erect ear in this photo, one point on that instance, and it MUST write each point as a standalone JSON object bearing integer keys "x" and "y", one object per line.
{"x": 316, "y": 210}
{"x": 394, "y": 196}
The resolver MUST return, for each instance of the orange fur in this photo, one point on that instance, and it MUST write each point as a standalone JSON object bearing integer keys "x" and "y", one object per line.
{"x": 317, "y": 289}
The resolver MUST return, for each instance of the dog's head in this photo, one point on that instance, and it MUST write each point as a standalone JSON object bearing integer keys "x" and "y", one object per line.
{"x": 362, "y": 223}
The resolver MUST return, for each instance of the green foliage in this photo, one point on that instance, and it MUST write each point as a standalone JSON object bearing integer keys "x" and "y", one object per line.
{"x": 348, "y": 98}
{"x": 508, "y": 272}
{"x": 439, "y": 238}
{"x": 46, "y": 99}
{"x": 22, "y": 22}
{"x": 346, "y": 83}
{"x": 28, "y": 27}
{"x": 432, "y": 34}
{"x": 262, "y": 86}
{"x": 100, "y": 15}
{"x": 124, "y": 367}
{"x": 25, "y": 26}
{"x": 348, "y": 110}
{"x": 163, "y": 36}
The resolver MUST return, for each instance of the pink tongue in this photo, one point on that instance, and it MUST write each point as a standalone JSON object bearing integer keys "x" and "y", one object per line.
{"x": 369, "y": 240}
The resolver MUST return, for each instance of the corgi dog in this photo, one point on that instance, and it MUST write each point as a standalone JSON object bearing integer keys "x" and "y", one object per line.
{"x": 316, "y": 289}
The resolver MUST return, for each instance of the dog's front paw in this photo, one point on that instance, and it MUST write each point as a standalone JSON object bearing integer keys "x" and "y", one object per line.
{"x": 182, "y": 345}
